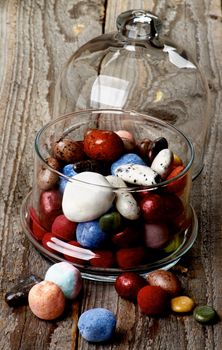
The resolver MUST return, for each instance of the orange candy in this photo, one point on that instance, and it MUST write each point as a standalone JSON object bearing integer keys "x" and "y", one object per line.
{"x": 179, "y": 184}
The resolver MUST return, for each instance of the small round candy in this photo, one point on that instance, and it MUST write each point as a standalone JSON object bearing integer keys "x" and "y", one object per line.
{"x": 63, "y": 228}
{"x": 90, "y": 235}
{"x": 111, "y": 222}
{"x": 153, "y": 300}
{"x": 152, "y": 208}
{"x": 204, "y": 314}
{"x": 156, "y": 236}
{"x": 46, "y": 300}
{"x": 97, "y": 325}
{"x": 130, "y": 257}
{"x": 67, "y": 277}
{"x": 166, "y": 280}
{"x": 68, "y": 151}
{"x": 182, "y": 304}
{"x": 128, "y": 285}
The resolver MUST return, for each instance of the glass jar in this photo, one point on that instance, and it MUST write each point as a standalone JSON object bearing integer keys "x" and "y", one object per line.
{"x": 135, "y": 69}
{"x": 111, "y": 193}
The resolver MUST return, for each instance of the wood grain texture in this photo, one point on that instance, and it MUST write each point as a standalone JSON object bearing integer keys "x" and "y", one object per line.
{"x": 36, "y": 38}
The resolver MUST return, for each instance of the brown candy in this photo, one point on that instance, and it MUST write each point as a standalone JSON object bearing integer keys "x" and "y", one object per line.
{"x": 166, "y": 280}
{"x": 93, "y": 165}
{"x": 68, "y": 151}
{"x": 149, "y": 149}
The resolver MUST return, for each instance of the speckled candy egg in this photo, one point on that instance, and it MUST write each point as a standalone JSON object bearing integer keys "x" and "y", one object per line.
{"x": 128, "y": 158}
{"x": 128, "y": 285}
{"x": 103, "y": 145}
{"x": 67, "y": 277}
{"x": 46, "y": 300}
{"x": 97, "y": 325}
{"x": 68, "y": 151}
{"x": 166, "y": 280}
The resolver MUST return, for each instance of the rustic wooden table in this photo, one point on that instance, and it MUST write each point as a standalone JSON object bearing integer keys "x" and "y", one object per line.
{"x": 37, "y": 36}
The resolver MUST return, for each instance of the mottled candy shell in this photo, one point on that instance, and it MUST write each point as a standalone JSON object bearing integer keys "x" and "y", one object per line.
{"x": 127, "y": 205}
{"x": 137, "y": 174}
{"x": 68, "y": 151}
{"x": 90, "y": 235}
{"x": 67, "y": 277}
{"x": 166, "y": 280}
{"x": 88, "y": 198}
{"x": 46, "y": 300}
{"x": 153, "y": 300}
{"x": 103, "y": 145}
{"x": 47, "y": 179}
{"x": 162, "y": 163}
{"x": 97, "y": 325}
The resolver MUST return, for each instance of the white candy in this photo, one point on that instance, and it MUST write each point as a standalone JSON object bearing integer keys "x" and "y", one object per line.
{"x": 138, "y": 174}
{"x": 125, "y": 202}
{"x": 162, "y": 162}
{"x": 84, "y": 202}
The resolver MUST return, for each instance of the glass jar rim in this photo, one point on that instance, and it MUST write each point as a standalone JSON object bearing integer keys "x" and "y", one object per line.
{"x": 137, "y": 188}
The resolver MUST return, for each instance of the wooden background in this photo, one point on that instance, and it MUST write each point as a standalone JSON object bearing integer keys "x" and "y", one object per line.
{"x": 36, "y": 38}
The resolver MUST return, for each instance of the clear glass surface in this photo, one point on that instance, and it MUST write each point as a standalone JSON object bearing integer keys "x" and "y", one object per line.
{"x": 136, "y": 69}
{"x": 38, "y": 213}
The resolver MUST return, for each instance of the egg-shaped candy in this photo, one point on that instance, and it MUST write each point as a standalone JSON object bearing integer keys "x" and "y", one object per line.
{"x": 166, "y": 280}
{"x": 153, "y": 300}
{"x": 90, "y": 235}
{"x": 103, "y": 145}
{"x": 46, "y": 300}
{"x": 97, "y": 325}
{"x": 87, "y": 198}
{"x": 156, "y": 235}
{"x": 128, "y": 284}
{"x": 67, "y": 277}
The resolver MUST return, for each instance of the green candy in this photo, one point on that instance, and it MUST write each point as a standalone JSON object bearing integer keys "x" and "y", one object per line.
{"x": 204, "y": 314}
{"x": 174, "y": 243}
{"x": 111, "y": 222}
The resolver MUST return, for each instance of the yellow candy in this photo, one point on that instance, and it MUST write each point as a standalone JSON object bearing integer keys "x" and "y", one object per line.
{"x": 182, "y": 304}
{"x": 177, "y": 160}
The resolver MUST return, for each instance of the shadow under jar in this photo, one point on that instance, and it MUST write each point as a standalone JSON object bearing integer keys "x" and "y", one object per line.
{"x": 111, "y": 193}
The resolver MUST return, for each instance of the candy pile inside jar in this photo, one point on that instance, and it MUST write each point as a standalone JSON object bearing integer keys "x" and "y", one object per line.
{"x": 108, "y": 209}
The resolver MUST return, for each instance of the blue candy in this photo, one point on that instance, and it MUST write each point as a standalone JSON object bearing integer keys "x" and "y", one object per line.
{"x": 97, "y": 325}
{"x": 128, "y": 158}
{"x": 68, "y": 171}
{"x": 90, "y": 235}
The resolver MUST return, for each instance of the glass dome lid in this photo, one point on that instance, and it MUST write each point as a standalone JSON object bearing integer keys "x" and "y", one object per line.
{"x": 136, "y": 69}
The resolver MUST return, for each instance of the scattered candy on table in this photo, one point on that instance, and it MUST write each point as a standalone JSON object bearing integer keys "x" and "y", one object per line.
{"x": 204, "y": 314}
{"x": 97, "y": 325}
{"x": 46, "y": 300}
{"x": 67, "y": 277}
{"x": 128, "y": 285}
{"x": 153, "y": 300}
{"x": 182, "y": 304}
{"x": 166, "y": 280}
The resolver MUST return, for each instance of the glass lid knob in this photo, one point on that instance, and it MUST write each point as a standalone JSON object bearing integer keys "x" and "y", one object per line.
{"x": 140, "y": 25}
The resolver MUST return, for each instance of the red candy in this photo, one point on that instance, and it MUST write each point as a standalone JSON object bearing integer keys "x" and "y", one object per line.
{"x": 153, "y": 300}
{"x": 103, "y": 145}
{"x": 105, "y": 259}
{"x": 126, "y": 238}
{"x": 152, "y": 208}
{"x": 130, "y": 257}
{"x": 50, "y": 207}
{"x": 173, "y": 206}
{"x": 37, "y": 230}
{"x": 128, "y": 285}
{"x": 63, "y": 228}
